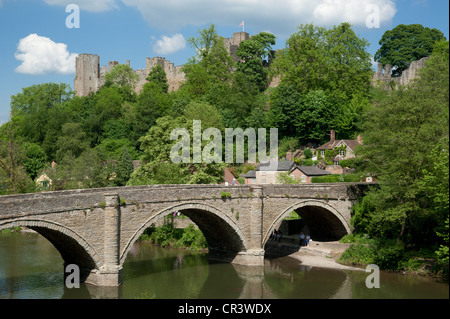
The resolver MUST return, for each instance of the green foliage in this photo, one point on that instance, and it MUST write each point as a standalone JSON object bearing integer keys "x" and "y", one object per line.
{"x": 358, "y": 254}
{"x": 158, "y": 167}
{"x": 124, "y": 168}
{"x": 35, "y": 160}
{"x": 307, "y": 152}
{"x": 395, "y": 147}
{"x": 405, "y": 44}
{"x": 122, "y": 75}
{"x": 159, "y": 77}
{"x": 334, "y": 60}
{"x": 254, "y": 54}
{"x": 336, "y": 178}
{"x": 72, "y": 142}
{"x": 286, "y": 178}
{"x": 166, "y": 235}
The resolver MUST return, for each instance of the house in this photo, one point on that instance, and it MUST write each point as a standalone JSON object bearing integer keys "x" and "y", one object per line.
{"x": 43, "y": 181}
{"x": 304, "y": 173}
{"x": 265, "y": 174}
{"x": 250, "y": 177}
{"x": 345, "y": 148}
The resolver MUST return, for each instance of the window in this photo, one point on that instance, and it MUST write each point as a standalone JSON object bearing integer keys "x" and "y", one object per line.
{"x": 336, "y": 162}
{"x": 264, "y": 180}
{"x": 342, "y": 153}
{"x": 45, "y": 184}
{"x": 303, "y": 178}
{"x": 322, "y": 153}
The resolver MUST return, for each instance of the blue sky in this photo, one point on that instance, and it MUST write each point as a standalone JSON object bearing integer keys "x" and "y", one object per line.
{"x": 37, "y": 47}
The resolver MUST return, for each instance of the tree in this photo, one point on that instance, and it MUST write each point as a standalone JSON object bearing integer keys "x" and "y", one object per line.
{"x": 334, "y": 60}
{"x": 72, "y": 141}
{"x": 124, "y": 168}
{"x": 122, "y": 75}
{"x": 158, "y": 168}
{"x": 210, "y": 72}
{"x": 13, "y": 177}
{"x": 158, "y": 76}
{"x": 405, "y": 44}
{"x": 33, "y": 108}
{"x": 152, "y": 103}
{"x": 35, "y": 159}
{"x": 254, "y": 54}
{"x": 435, "y": 187}
{"x": 396, "y": 147}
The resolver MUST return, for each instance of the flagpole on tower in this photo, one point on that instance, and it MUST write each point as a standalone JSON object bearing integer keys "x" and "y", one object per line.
{"x": 242, "y": 25}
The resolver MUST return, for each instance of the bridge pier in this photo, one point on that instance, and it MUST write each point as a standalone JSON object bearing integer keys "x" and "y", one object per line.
{"x": 110, "y": 273}
{"x": 254, "y": 256}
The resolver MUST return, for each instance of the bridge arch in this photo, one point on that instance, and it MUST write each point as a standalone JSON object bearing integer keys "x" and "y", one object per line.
{"x": 73, "y": 248}
{"x": 220, "y": 231}
{"x": 323, "y": 220}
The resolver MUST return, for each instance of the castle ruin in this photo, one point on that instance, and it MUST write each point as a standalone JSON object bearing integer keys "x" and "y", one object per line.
{"x": 383, "y": 77}
{"x": 89, "y": 76}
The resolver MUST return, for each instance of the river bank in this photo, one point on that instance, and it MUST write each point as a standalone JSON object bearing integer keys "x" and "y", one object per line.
{"x": 316, "y": 254}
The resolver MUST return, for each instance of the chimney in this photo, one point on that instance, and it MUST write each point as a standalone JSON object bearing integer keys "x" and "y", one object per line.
{"x": 289, "y": 155}
{"x": 332, "y": 136}
{"x": 359, "y": 139}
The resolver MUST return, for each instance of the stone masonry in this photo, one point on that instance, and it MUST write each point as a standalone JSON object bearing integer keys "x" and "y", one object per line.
{"x": 96, "y": 228}
{"x": 384, "y": 78}
{"x": 90, "y": 76}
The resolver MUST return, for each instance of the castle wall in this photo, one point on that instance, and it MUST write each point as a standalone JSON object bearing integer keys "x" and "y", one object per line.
{"x": 383, "y": 75}
{"x": 87, "y": 74}
{"x": 90, "y": 77}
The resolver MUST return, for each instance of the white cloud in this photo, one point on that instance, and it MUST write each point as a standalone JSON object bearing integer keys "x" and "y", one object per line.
{"x": 40, "y": 55}
{"x": 282, "y": 16}
{"x": 88, "y": 5}
{"x": 168, "y": 45}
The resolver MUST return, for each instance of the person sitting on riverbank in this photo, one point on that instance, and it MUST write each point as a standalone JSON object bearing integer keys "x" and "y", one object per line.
{"x": 307, "y": 239}
{"x": 278, "y": 235}
{"x": 302, "y": 239}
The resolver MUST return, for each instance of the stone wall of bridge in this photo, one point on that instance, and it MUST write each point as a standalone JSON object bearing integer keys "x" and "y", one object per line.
{"x": 96, "y": 228}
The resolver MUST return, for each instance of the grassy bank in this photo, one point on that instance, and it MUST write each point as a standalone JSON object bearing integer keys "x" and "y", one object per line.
{"x": 389, "y": 254}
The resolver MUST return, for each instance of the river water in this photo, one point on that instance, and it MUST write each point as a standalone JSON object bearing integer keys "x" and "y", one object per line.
{"x": 31, "y": 268}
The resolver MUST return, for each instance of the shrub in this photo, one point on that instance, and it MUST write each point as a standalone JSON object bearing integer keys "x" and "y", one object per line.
{"x": 358, "y": 254}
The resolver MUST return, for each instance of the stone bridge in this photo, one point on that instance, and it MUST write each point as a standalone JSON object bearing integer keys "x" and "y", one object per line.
{"x": 95, "y": 228}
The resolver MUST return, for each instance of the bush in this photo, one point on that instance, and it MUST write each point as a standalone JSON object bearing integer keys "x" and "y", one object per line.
{"x": 389, "y": 254}
{"x": 192, "y": 238}
{"x": 358, "y": 254}
{"x": 336, "y": 178}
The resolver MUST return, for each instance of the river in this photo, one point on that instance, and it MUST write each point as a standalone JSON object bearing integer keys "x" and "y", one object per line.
{"x": 31, "y": 268}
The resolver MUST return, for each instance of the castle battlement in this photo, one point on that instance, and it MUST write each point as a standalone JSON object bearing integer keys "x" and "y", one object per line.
{"x": 384, "y": 74}
{"x": 90, "y": 76}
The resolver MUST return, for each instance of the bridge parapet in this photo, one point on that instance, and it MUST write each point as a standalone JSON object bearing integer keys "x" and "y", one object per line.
{"x": 99, "y": 226}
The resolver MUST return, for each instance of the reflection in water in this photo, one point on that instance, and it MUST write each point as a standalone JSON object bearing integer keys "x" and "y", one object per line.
{"x": 30, "y": 267}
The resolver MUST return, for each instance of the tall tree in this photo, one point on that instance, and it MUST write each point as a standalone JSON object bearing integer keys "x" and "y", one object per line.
{"x": 405, "y": 44}
{"x": 334, "y": 60}
{"x": 254, "y": 54}
{"x": 33, "y": 108}
{"x": 158, "y": 76}
{"x": 397, "y": 147}
{"x": 124, "y": 168}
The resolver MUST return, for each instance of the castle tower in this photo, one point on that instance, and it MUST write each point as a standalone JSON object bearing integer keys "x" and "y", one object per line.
{"x": 87, "y": 74}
